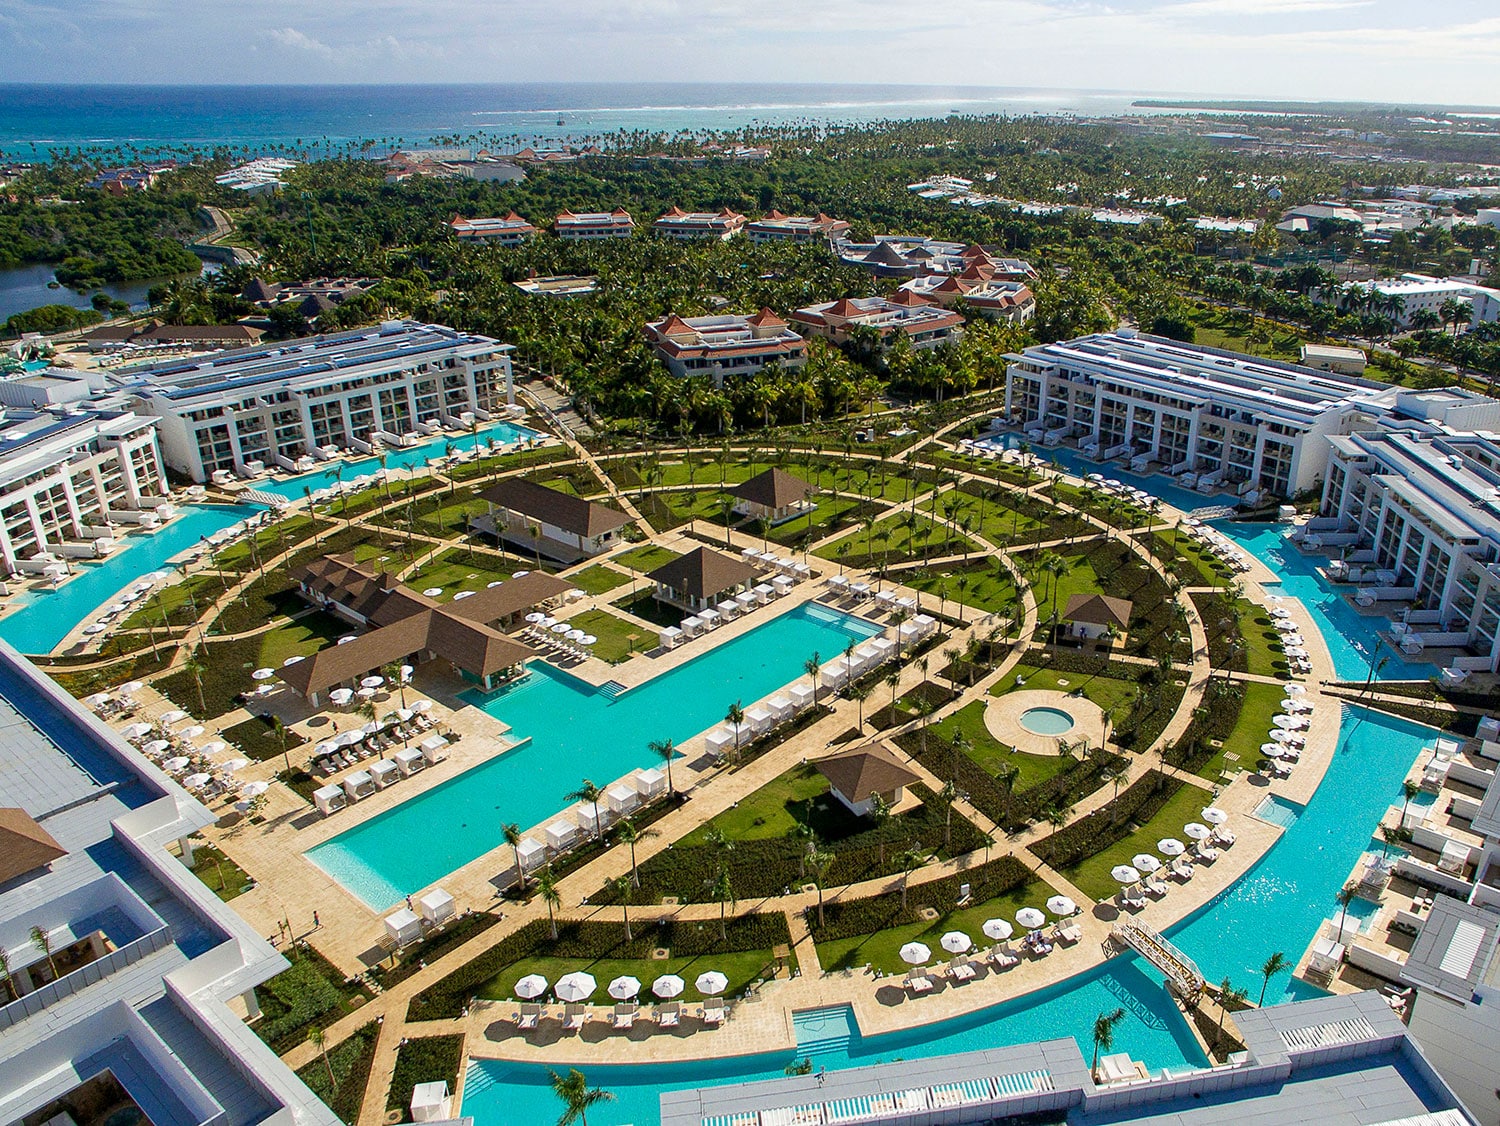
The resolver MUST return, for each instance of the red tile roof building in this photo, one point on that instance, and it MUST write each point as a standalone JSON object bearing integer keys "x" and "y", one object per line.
{"x": 594, "y": 225}
{"x": 509, "y": 231}
{"x": 777, "y": 227}
{"x": 725, "y": 345}
{"x": 925, "y": 323}
{"x": 694, "y": 225}
{"x": 1003, "y": 299}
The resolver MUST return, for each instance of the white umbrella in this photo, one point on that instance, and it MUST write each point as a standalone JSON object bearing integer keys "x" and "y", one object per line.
{"x": 956, "y": 942}
{"x": 1283, "y": 736}
{"x": 497, "y": 582}
{"x": 1196, "y": 831}
{"x": 548, "y": 621}
{"x": 215, "y": 747}
{"x": 998, "y": 929}
{"x": 294, "y": 659}
{"x": 711, "y": 983}
{"x": 1272, "y": 750}
{"x": 1030, "y": 918}
{"x": 1125, "y": 874}
{"x": 1170, "y": 846}
{"x": 366, "y": 693}
{"x": 193, "y": 732}
{"x": 575, "y": 635}
{"x": 132, "y": 687}
{"x": 97, "y": 700}
{"x": 1295, "y": 690}
{"x": 406, "y": 671}
{"x": 327, "y": 747}
{"x": 262, "y": 674}
{"x": 588, "y": 639}
{"x": 341, "y": 695}
{"x": 349, "y": 738}
{"x": 667, "y": 986}
{"x": 137, "y": 731}
{"x": 1145, "y": 862}
{"x": 197, "y": 781}
{"x": 535, "y": 616}
{"x": 560, "y": 627}
{"x": 157, "y": 746}
{"x": 175, "y": 763}
{"x": 433, "y": 591}
{"x": 915, "y": 953}
{"x": 461, "y": 595}
{"x": 420, "y": 706}
{"x": 520, "y": 574}
{"x": 1288, "y": 722}
{"x": 254, "y": 789}
{"x": 348, "y": 638}
{"x": 532, "y": 985}
{"x": 576, "y": 986}
{"x": 372, "y": 681}
{"x": 404, "y": 714}
{"x": 1213, "y": 815}
{"x": 1062, "y": 905}
{"x": 176, "y": 715}
{"x": 235, "y": 764}
{"x": 625, "y": 988}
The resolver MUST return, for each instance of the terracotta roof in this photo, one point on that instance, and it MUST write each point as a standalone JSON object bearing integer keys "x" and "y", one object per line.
{"x": 24, "y": 845}
{"x": 950, "y": 284}
{"x": 977, "y": 272}
{"x": 775, "y": 214}
{"x": 703, "y": 573}
{"x": 571, "y": 514}
{"x": 862, "y": 773}
{"x": 773, "y": 489}
{"x": 907, "y": 297}
{"x": 844, "y": 307}
{"x": 260, "y": 290}
{"x": 672, "y": 326}
{"x": 1098, "y": 609}
{"x": 764, "y": 319}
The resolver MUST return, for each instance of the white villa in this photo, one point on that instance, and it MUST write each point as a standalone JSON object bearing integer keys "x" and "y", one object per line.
{"x": 691, "y": 226}
{"x": 511, "y": 230}
{"x": 249, "y": 409}
{"x": 726, "y": 344}
{"x": 591, "y": 226}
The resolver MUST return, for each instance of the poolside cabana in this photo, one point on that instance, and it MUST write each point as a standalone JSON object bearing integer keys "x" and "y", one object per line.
{"x": 403, "y": 927}
{"x": 649, "y": 783}
{"x": 719, "y": 740}
{"x": 759, "y": 719}
{"x": 729, "y": 609}
{"x": 802, "y": 695}
{"x": 782, "y": 584}
{"x": 359, "y": 785}
{"x": 701, "y": 578}
{"x": 560, "y": 834}
{"x": 409, "y": 761}
{"x": 782, "y": 709}
{"x": 670, "y": 637}
{"x": 584, "y": 816}
{"x": 710, "y": 618}
{"x": 621, "y": 797}
{"x": 384, "y": 773}
{"x": 693, "y": 626}
{"x": 530, "y": 852}
{"x": 329, "y": 799}
{"x": 436, "y": 906}
{"x": 434, "y": 748}
{"x": 834, "y": 673}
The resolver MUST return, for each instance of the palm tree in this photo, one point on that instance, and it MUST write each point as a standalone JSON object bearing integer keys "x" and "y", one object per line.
{"x": 1228, "y": 995}
{"x": 278, "y": 732}
{"x": 512, "y": 834}
{"x": 1347, "y": 895}
{"x": 811, "y": 667}
{"x": 624, "y": 889}
{"x": 577, "y": 1096}
{"x": 392, "y": 674}
{"x": 1104, "y": 1035}
{"x": 819, "y": 863}
{"x": 1409, "y": 790}
{"x": 893, "y": 681}
{"x": 546, "y": 887}
{"x": 43, "y": 942}
{"x": 590, "y": 793}
{"x": 196, "y": 669}
{"x": 665, "y": 750}
{"x": 735, "y": 716}
{"x": 806, "y": 836}
{"x": 722, "y": 891}
{"x": 909, "y": 861}
{"x": 1273, "y": 965}
{"x": 5, "y": 978}
{"x": 319, "y": 1040}
{"x": 880, "y": 813}
{"x": 859, "y": 693}
{"x": 628, "y": 834}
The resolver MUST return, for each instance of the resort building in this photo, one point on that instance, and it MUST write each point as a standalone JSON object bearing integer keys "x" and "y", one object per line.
{"x": 858, "y": 777}
{"x": 777, "y": 227}
{"x": 774, "y": 496}
{"x": 153, "y": 334}
{"x": 406, "y": 627}
{"x": 590, "y": 226}
{"x": 65, "y": 479}
{"x": 139, "y": 1004}
{"x": 1213, "y": 418}
{"x": 558, "y": 285}
{"x": 1001, "y": 299}
{"x": 923, "y": 323}
{"x": 509, "y": 231}
{"x": 1409, "y": 294}
{"x": 693, "y": 226}
{"x": 538, "y": 519}
{"x": 1342, "y": 1059}
{"x": 702, "y": 578}
{"x": 248, "y": 409}
{"x": 906, "y": 256}
{"x": 1414, "y": 518}
{"x": 726, "y": 344}
{"x": 1330, "y": 357}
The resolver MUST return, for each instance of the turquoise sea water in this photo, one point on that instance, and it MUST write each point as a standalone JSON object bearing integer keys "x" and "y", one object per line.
{"x": 500, "y": 433}
{"x": 1278, "y": 905}
{"x": 575, "y": 732}
{"x": 46, "y": 617}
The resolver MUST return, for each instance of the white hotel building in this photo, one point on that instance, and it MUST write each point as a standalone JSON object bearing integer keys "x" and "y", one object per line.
{"x": 254, "y": 408}
{"x": 1214, "y": 419}
{"x": 65, "y": 477}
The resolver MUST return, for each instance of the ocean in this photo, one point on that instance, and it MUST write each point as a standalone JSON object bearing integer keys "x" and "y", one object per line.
{"x": 36, "y": 120}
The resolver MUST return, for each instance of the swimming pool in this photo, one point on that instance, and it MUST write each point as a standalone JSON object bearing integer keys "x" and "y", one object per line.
{"x": 1351, "y": 639}
{"x": 1046, "y": 721}
{"x": 1278, "y": 905}
{"x": 501, "y": 433}
{"x": 575, "y": 731}
{"x": 48, "y": 616}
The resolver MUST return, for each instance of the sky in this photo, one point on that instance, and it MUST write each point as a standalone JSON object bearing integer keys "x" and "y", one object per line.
{"x": 1436, "y": 51}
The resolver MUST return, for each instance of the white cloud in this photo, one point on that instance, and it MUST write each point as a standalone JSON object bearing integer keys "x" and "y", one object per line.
{"x": 298, "y": 41}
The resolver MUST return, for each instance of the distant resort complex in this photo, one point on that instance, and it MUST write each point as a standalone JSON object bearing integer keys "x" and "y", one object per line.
{"x": 394, "y": 737}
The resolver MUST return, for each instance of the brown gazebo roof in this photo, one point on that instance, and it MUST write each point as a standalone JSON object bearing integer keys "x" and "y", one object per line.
{"x": 1098, "y": 610}
{"x": 561, "y": 510}
{"x": 774, "y": 488}
{"x": 862, "y": 773}
{"x": 24, "y": 845}
{"x": 703, "y": 573}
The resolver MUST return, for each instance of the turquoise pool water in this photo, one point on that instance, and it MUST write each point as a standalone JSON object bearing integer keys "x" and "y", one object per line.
{"x": 1278, "y": 905}
{"x": 46, "y": 617}
{"x": 575, "y": 732}
{"x": 1046, "y": 721}
{"x": 502, "y": 433}
{"x": 1351, "y": 639}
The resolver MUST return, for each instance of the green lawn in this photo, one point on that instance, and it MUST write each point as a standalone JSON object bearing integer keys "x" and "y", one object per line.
{"x": 303, "y": 636}
{"x": 673, "y": 508}
{"x": 220, "y": 875}
{"x": 646, "y": 558}
{"x": 1263, "y": 652}
{"x": 741, "y": 967}
{"x": 458, "y": 570}
{"x": 1193, "y": 563}
{"x": 1106, "y": 691}
{"x": 598, "y": 579}
{"x": 882, "y": 949}
{"x": 1092, "y": 876}
{"x": 831, "y": 514}
{"x": 452, "y": 515}
{"x": 993, "y": 756}
{"x": 800, "y": 796}
{"x": 614, "y": 635}
{"x": 898, "y": 538}
{"x": 988, "y": 588}
{"x": 1261, "y": 705}
{"x": 1080, "y": 579}
{"x": 181, "y": 602}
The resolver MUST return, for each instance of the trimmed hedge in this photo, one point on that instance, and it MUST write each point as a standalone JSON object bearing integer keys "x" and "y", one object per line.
{"x": 310, "y": 993}
{"x": 450, "y": 938}
{"x": 768, "y": 867}
{"x": 350, "y": 1063}
{"x": 431, "y": 1059}
{"x": 588, "y": 942}
{"x": 1091, "y": 835}
{"x": 850, "y": 918}
{"x": 1216, "y": 719}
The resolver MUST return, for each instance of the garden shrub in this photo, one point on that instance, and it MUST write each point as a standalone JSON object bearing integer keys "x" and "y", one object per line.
{"x": 429, "y": 1059}
{"x": 853, "y": 917}
{"x": 349, "y": 1061}
{"x": 1091, "y": 835}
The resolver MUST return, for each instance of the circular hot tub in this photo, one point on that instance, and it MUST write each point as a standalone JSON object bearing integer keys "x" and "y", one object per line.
{"x": 1046, "y": 721}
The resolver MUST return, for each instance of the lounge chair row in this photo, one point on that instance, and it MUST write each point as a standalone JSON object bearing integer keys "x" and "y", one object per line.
{"x": 622, "y": 1017}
